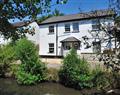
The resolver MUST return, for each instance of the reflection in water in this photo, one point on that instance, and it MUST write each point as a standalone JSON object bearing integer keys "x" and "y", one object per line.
{"x": 10, "y": 87}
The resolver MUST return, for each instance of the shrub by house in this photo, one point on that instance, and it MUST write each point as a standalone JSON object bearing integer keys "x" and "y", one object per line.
{"x": 31, "y": 69}
{"x": 75, "y": 72}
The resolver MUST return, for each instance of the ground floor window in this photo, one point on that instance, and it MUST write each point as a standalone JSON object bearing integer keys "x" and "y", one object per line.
{"x": 51, "y": 47}
{"x": 97, "y": 47}
{"x": 69, "y": 45}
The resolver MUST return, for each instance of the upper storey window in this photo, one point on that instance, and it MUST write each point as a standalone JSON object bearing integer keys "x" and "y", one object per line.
{"x": 95, "y": 24}
{"x": 67, "y": 27}
{"x": 76, "y": 27}
{"x": 51, "y": 29}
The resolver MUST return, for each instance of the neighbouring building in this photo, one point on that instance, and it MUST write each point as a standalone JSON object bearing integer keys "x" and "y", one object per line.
{"x": 59, "y": 34}
{"x": 32, "y": 26}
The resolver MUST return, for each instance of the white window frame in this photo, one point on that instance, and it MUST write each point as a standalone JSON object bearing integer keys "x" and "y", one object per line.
{"x": 51, "y": 29}
{"x": 95, "y": 24}
{"x": 51, "y": 48}
{"x": 67, "y": 29}
{"x": 77, "y": 27}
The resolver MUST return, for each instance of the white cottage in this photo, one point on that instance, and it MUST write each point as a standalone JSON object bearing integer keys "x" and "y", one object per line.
{"x": 59, "y": 34}
{"x": 33, "y": 27}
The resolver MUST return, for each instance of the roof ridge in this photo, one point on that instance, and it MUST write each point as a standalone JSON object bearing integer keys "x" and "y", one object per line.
{"x": 86, "y": 15}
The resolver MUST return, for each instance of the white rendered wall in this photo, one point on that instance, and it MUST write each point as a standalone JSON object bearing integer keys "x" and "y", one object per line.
{"x": 34, "y": 38}
{"x": 46, "y": 38}
{"x": 3, "y": 41}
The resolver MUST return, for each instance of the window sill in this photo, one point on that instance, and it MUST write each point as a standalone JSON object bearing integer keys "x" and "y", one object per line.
{"x": 67, "y": 32}
{"x": 51, "y": 33}
{"x": 95, "y": 29}
{"x": 75, "y": 31}
{"x": 50, "y": 52}
{"x": 70, "y": 49}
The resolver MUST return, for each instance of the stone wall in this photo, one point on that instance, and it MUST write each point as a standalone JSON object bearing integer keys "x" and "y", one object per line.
{"x": 90, "y": 56}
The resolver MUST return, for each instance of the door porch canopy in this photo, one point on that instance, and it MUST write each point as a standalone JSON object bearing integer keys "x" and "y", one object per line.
{"x": 70, "y": 39}
{"x": 71, "y": 42}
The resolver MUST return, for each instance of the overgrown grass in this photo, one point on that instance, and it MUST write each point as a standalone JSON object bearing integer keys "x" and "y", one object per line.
{"x": 52, "y": 75}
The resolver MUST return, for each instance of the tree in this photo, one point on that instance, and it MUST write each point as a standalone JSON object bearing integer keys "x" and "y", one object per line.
{"x": 31, "y": 69}
{"x": 75, "y": 72}
{"x": 55, "y": 13}
{"x": 115, "y": 4}
{"x": 108, "y": 33}
{"x": 20, "y": 9}
{"x": 7, "y": 56}
{"x": 111, "y": 55}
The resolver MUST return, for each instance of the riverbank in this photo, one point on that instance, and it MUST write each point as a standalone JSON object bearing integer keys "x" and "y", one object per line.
{"x": 9, "y": 86}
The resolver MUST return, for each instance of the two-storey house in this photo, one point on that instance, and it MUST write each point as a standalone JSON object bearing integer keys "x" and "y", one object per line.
{"x": 59, "y": 34}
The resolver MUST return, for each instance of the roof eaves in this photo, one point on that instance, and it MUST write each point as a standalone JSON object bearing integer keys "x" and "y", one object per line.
{"x": 74, "y": 19}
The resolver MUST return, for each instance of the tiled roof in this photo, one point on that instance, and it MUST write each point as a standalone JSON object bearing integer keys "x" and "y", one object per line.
{"x": 80, "y": 16}
{"x": 70, "y": 39}
{"x": 21, "y": 24}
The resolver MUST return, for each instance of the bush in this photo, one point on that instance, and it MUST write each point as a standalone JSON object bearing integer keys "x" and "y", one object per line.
{"x": 75, "y": 72}
{"x": 101, "y": 79}
{"x": 116, "y": 79}
{"x": 7, "y": 56}
{"x": 31, "y": 66}
{"x": 13, "y": 69}
{"x": 26, "y": 78}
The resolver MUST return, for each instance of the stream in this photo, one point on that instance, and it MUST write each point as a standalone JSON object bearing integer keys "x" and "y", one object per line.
{"x": 10, "y": 87}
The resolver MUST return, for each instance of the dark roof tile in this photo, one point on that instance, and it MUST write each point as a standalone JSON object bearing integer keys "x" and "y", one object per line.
{"x": 80, "y": 16}
{"x": 21, "y": 24}
{"x": 70, "y": 39}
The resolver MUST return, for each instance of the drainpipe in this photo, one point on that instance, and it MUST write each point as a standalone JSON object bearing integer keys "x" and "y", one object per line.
{"x": 56, "y": 40}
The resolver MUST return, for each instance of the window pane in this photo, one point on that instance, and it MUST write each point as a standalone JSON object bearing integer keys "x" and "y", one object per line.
{"x": 67, "y": 27}
{"x": 95, "y": 27}
{"x": 95, "y": 24}
{"x": 51, "y": 29}
{"x": 67, "y": 46}
{"x": 97, "y": 47}
{"x": 75, "y": 27}
{"x": 51, "y": 45}
{"x": 95, "y": 21}
{"x": 51, "y": 48}
{"x": 76, "y": 45}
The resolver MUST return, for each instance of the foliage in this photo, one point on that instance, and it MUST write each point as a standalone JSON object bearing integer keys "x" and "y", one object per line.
{"x": 75, "y": 72}
{"x": 31, "y": 65}
{"x": 13, "y": 69}
{"x": 26, "y": 78}
{"x": 117, "y": 21}
{"x": 55, "y": 13}
{"x": 52, "y": 75}
{"x": 115, "y": 4}
{"x": 7, "y": 56}
{"x": 116, "y": 80}
{"x": 20, "y": 9}
{"x": 110, "y": 41}
{"x": 102, "y": 79}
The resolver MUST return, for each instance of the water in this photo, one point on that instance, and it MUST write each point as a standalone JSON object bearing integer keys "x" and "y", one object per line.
{"x": 10, "y": 87}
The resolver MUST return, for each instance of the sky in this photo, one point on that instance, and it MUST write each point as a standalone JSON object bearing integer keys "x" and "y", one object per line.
{"x": 77, "y": 6}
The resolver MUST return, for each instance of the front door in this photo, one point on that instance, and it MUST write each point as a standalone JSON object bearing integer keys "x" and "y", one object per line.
{"x": 69, "y": 45}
